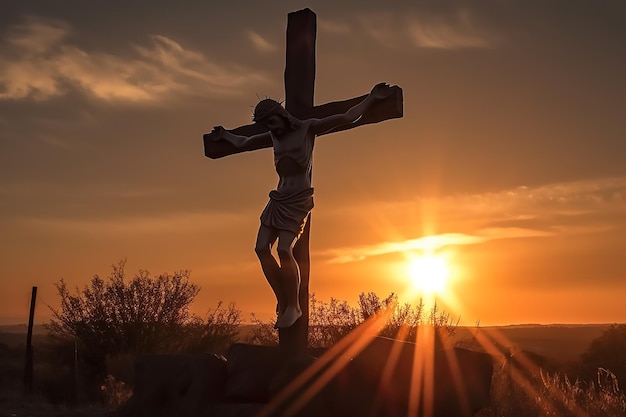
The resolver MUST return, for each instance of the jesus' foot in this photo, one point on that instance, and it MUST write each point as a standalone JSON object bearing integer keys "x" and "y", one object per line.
{"x": 288, "y": 317}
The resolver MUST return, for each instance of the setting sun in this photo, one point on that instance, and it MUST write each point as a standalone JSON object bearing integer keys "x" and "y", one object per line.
{"x": 428, "y": 273}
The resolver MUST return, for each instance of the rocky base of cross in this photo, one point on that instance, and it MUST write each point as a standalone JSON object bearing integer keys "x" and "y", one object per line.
{"x": 257, "y": 381}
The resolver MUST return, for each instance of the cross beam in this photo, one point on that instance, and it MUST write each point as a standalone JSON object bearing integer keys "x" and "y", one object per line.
{"x": 299, "y": 91}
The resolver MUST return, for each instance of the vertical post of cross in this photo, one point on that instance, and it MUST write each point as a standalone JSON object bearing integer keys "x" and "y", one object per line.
{"x": 299, "y": 91}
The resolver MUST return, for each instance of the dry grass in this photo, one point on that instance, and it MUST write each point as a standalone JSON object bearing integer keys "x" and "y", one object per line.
{"x": 516, "y": 394}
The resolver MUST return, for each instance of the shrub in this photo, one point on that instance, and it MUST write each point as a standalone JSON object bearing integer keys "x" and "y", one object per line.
{"x": 113, "y": 318}
{"x": 110, "y": 317}
{"x": 218, "y": 330}
{"x": 262, "y": 333}
{"x": 553, "y": 394}
{"x": 608, "y": 352}
{"x": 330, "y": 321}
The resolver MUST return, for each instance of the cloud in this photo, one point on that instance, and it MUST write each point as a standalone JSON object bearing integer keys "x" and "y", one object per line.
{"x": 260, "y": 43}
{"x": 37, "y": 36}
{"x": 344, "y": 255}
{"x": 568, "y": 199}
{"x": 37, "y": 62}
{"x": 453, "y": 30}
{"x": 428, "y": 243}
{"x": 561, "y": 209}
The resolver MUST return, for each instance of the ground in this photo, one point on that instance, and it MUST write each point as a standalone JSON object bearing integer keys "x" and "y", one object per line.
{"x": 37, "y": 409}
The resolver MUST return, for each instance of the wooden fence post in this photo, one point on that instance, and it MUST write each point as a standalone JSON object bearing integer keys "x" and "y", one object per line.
{"x": 28, "y": 368}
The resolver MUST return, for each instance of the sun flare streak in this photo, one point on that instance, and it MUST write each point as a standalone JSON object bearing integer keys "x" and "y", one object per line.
{"x": 324, "y": 369}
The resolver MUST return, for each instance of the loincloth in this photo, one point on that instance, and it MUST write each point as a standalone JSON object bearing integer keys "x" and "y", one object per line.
{"x": 288, "y": 212}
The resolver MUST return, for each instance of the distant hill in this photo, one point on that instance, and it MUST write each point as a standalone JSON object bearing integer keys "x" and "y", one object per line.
{"x": 22, "y": 328}
{"x": 562, "y": 343}
{"x": 14, "y": 335}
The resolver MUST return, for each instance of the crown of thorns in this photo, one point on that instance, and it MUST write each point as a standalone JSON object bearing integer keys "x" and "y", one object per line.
{"x": 266, "y": 108}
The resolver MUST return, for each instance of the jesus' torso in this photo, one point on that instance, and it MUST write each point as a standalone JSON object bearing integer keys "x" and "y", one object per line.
{"x": 293, "y": 158}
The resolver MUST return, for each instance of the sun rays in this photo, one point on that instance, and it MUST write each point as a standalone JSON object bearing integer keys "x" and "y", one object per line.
{"x": 422, "y": 368}
{"x": 420, "y": 392}
{"x": 428, "y": 272}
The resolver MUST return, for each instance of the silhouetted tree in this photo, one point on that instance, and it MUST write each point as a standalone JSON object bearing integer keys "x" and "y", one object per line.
{"x": 112, "y": 317}
{"x": 607, "y": 351}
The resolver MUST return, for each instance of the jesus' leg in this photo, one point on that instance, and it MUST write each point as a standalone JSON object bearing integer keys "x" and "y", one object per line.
{"x": 290, "y": 279}
{"x": 265, "y": 239}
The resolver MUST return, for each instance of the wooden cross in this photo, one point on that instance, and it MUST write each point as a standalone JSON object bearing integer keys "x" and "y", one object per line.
{"x": 299, "y": 89}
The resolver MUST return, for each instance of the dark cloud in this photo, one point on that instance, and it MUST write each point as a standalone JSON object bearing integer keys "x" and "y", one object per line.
{"x": 37, "y": 61}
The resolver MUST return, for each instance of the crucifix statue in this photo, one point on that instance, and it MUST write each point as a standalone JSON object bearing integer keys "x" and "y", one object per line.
{"x": 291, "y": 132}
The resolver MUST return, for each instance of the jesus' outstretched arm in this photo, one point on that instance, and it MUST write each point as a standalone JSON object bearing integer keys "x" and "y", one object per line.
{"x": 379, "y": 92}
{"x": 238, "y": 141}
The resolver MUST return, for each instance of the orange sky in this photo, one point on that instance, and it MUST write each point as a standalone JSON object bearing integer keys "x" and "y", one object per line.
{"x": 511, "y": 151}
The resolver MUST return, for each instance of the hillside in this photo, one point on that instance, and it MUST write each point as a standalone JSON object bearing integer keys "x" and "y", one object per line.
{"x": 562, "y": 343}
{"x": 14, "y": 335}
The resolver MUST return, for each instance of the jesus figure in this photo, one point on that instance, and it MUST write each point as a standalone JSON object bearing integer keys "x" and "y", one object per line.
{"x": 284, "y": 216}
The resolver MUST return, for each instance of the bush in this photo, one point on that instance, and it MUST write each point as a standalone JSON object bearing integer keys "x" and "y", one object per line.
{"x": 404, "y": 320}
{"x": 553, "y": 394}
{"x": 113, "y": 318}
{"x": 518, "y": 391}
{"x": 110, "y": 317}
{"x": 262, "y": 333}
{"x": 330, "y": 321}
{"x": 608, "y": 352}
{"x": 216, "y": 332}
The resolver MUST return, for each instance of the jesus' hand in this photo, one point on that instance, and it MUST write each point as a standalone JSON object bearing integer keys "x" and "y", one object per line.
{"x": 217, "y": 132}
{"x": 381, "y": 91}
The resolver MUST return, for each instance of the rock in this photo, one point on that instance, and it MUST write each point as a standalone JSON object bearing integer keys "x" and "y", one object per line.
{"x": 251, "y": 369}
{"x": 386, "y": 388}
{"x": 175, "y": 386}
{"x": 376, "y": 382}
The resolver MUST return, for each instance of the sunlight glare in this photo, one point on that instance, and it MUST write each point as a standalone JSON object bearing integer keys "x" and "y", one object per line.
{"x": 428, "y": 273}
